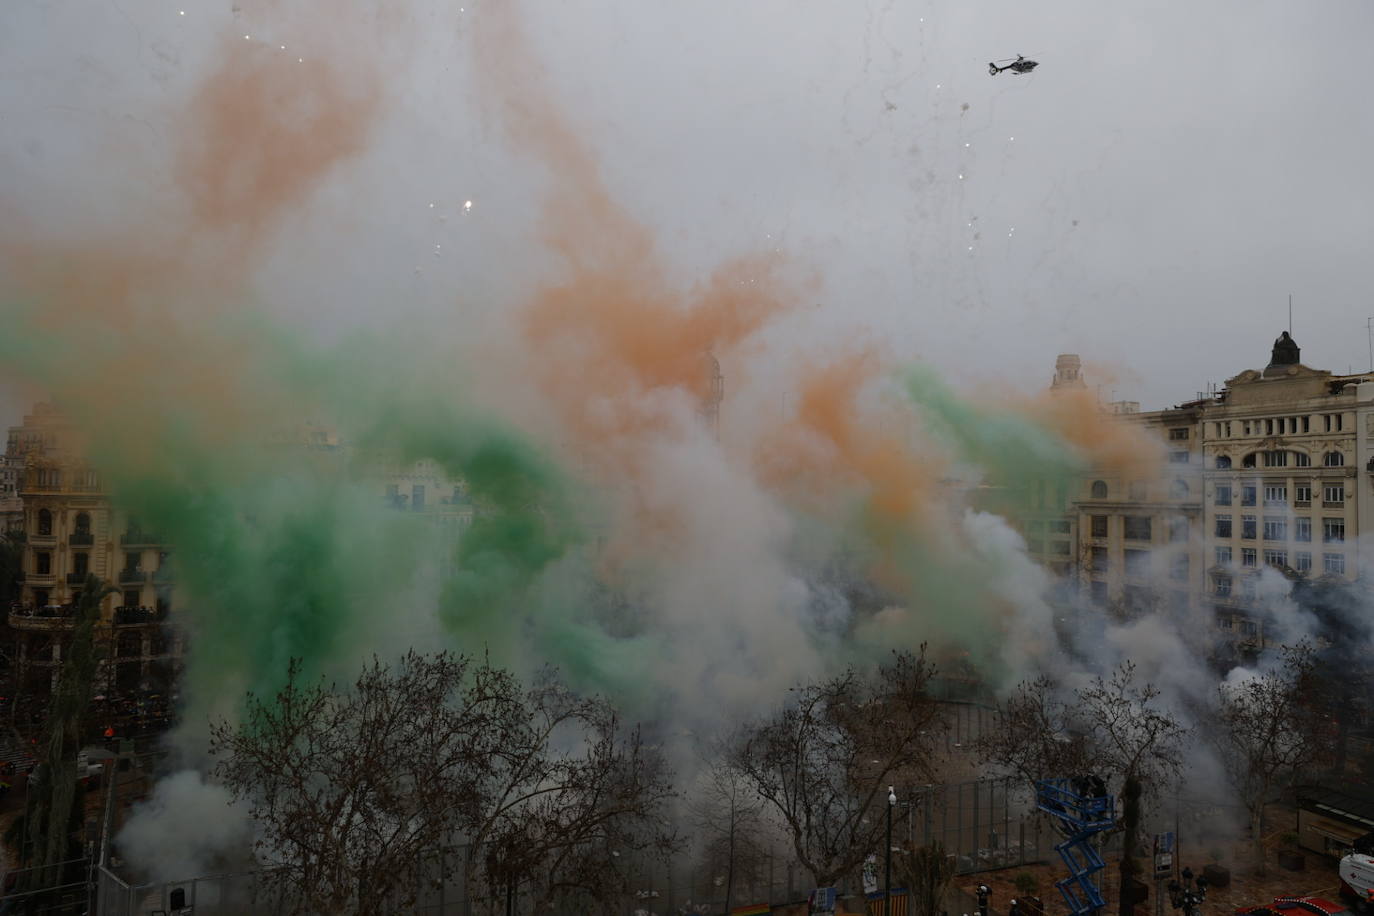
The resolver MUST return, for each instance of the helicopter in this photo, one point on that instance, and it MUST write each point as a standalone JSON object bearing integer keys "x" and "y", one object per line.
{"x": 1019, "y": 65}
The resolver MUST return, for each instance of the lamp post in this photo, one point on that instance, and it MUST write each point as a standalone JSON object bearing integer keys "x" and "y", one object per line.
{"x": 1184, "y": 897}
{"x": 887, "y": 873}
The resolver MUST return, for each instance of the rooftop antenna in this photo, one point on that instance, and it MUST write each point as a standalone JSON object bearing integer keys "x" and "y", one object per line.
{"x": 1290, "y": 314}
{"x": 1369, "y": 333}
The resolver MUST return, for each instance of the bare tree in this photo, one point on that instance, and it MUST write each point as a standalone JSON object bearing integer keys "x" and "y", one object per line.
{"x": 1264, "y": 733}
{"x": 572, "y": 823}
{"x": 1113, "y": 727}
{"x": 927, "y": 872}
{"x": 1134, "y": 737}
{"x": 823, "y": 762}
{"x": 728, "y": 815}
{"x": 1036, "y": 737}
{"x": 351, "y": 789}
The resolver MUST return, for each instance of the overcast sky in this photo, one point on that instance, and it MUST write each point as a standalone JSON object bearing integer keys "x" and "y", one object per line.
{"x": 1148, "y": 198}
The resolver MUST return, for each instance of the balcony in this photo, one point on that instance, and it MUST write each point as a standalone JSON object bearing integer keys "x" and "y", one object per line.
{"x": 41, "y": 580}
{"x": 43, "y": 618}
{"x": 43, "y": 540}
{"x": 1302, "y": 503}
{"x": 126, "y": 615}
{"x": 139, "y": 539}
{"x": 77, "y": 578}
{"x": 132, "y": 576}
{"x": 1333, "y": 504}
{"x": 81, "y": 539}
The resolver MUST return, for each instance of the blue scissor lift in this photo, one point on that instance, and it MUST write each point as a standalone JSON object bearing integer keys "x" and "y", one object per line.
{"x": 1080, "y": 818}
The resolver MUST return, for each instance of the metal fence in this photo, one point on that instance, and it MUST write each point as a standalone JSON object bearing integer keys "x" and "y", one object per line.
{"x": 985, "y": 824}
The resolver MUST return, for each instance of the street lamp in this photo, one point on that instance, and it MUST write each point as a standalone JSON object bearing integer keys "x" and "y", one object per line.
{"x": 887, "y": 875}
{"x": 1184, "y": 897}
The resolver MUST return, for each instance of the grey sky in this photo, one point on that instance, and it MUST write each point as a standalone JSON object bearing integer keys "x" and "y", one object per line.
{"x": 1177, "y": 168}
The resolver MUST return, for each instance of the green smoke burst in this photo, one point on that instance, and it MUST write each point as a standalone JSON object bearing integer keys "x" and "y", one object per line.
{"x": 284, "y": 548}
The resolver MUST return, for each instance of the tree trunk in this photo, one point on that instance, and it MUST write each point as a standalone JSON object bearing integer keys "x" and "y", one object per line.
{"x": 730, "y": 867}
{"x": 1130, "y": 816}
{"x": 1257, "y": 836}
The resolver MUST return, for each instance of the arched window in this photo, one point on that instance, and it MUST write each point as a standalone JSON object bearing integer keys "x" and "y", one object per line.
{"x": 1248, "y": 461}
{"x": 44, "y": 521}
{"x": 1099, "y": 489}
{"x": 1302, "y": 460}
{"x": 1333, "y": 460}
{"x": 1223, "y": 462}
{"x": 83, "y": 523}
{"x": 1179, "y": 490}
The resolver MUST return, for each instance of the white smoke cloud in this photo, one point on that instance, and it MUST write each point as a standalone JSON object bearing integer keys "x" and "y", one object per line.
{"x": 188, "y": 826}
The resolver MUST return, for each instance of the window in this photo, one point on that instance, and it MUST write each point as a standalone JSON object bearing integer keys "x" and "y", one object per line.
{"x": 1334, "y": 563}
{"x": 1275, "y": 529}
{"x": 1276, "y": 496}
{"x": 1099, "y": 526}
{"x": 1333, "y": 530}
{"x": 49, "y": 478}
{"x": 1178, "y": 457}
{"x": 1035, "y": 545}
{"x": 1222, "y": 586}
{"x": 1276, "y": 558}
{"x": 1223, "y": 526}
{"x": 40, "y": 597}
{"x": 1138, "y": 528}
{"x": 1247, "y": 589}
{"x": 83, "y": 523}
{"x": 1059, "y": 526}
{"x": 1223, "y": 497}
{"x": 1178, "y": 568}
{"x": 1137, "y": 489}
{"x": 1276, "y": 459}
{"x": 81, "y": 563}
{"x": 1333, "y": 460}
{"x": 1247, "y": 527}
{"x": 1100, "y": 561}
{"x": 44, "y": 521}
{"x": 1099, "y": 489}
{"x": 1179, "y": 490}
{"x": 1247, "y": 496}
{"x": 131, "y": 598}
{"x": 1333, "y": 494}
{"x": 42, "y": 563}
{"x": 1248, "y": 558}
{"x": 1178, "y": 530}
{"x": 1302, "y": 494}
{"x": 1179, "y": 434}
{"x": 1302, "y": 460}
{"x": 1098, "y": 591}
{"x": 1302, "y": 529}
{"x": 1137, "y": 562}
{"x": 417, "y": 497}
{"x": 1249, "y": 628}
{"x": 1061, "y": 548}
{"x": 1302, "y": 561}
{"x": 1223, "y": 462}
{"x": 1226, "y": 621}
{"x": 1248, "y": 461}
{"x": 393, "y": 494}
{"x": 1335, "y": 422}
{"x": 1035, "y": 526}
{"x": 1223, "y": 556}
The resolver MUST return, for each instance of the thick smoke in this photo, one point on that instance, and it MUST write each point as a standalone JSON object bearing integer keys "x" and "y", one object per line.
{"x": 614, "y": 535}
